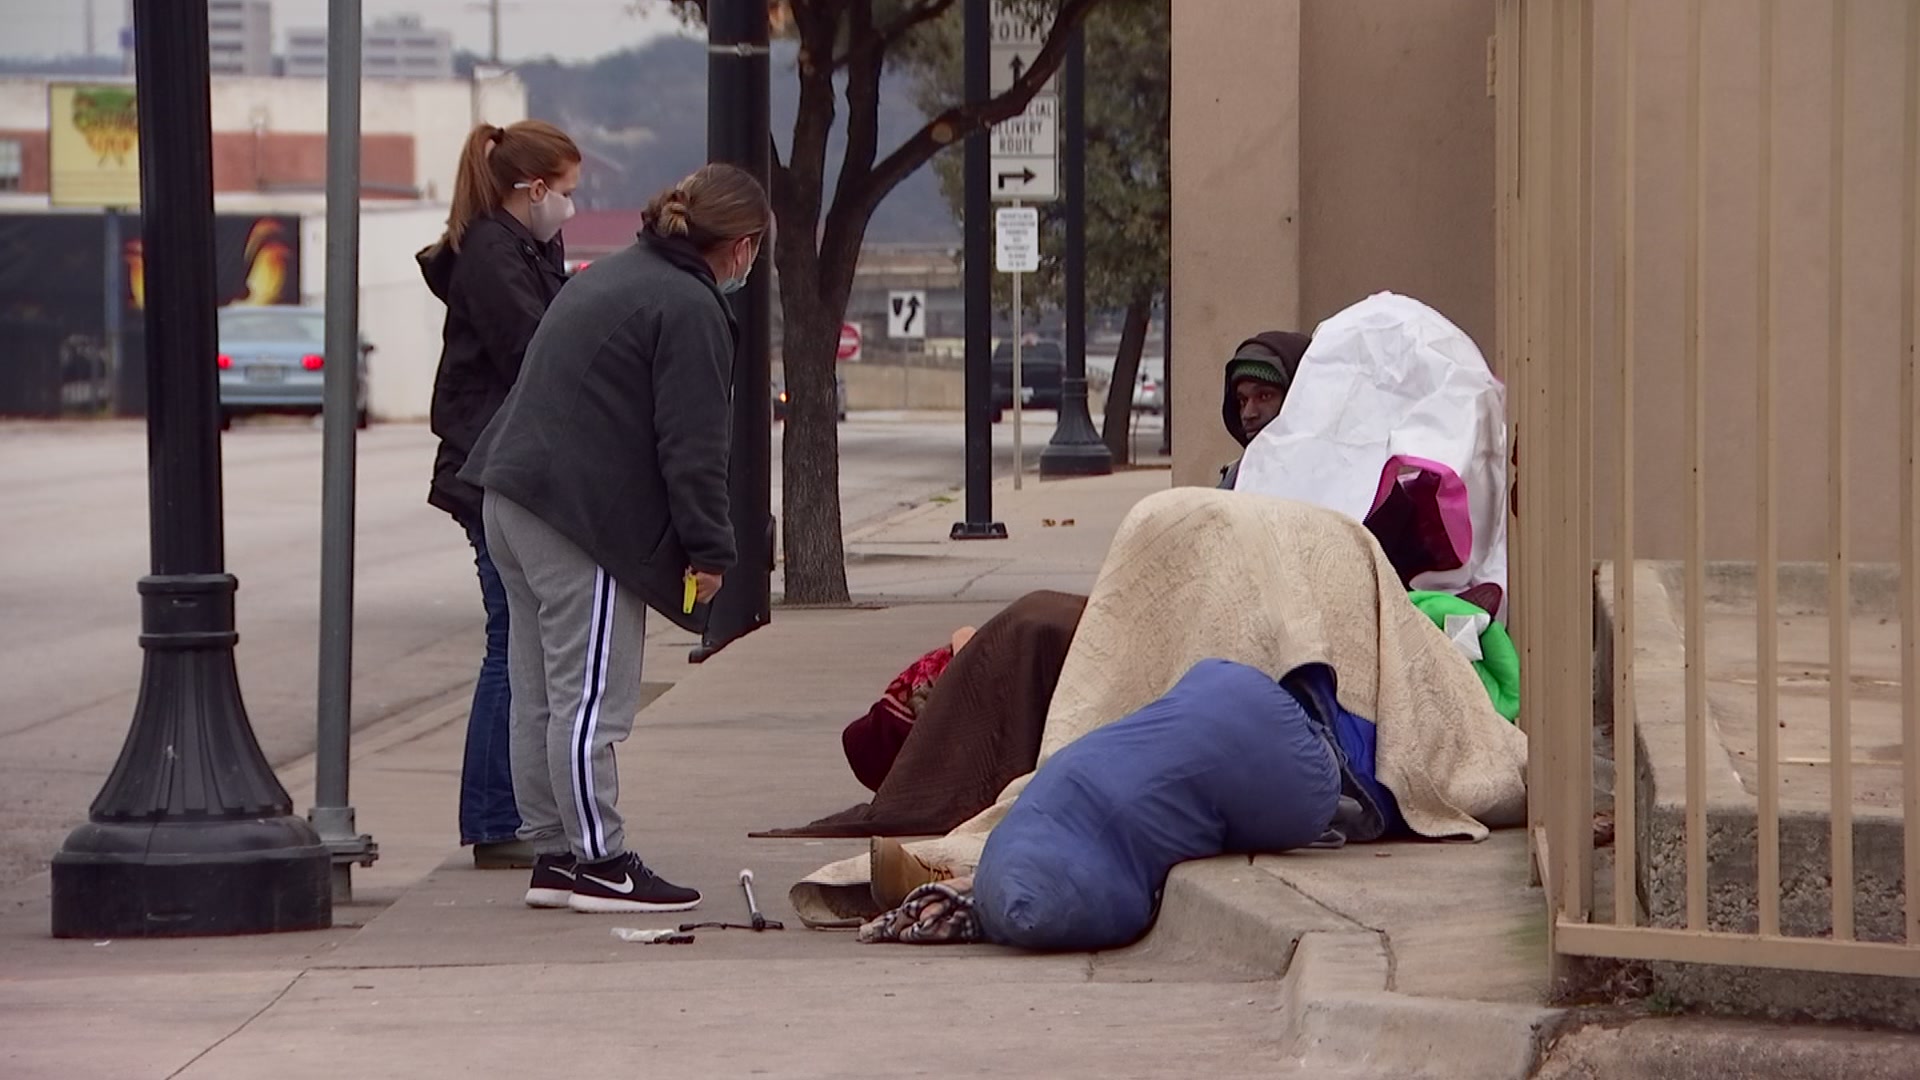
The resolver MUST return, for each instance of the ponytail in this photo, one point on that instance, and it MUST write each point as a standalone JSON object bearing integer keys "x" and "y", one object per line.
{"x": 474, "y": 196}
{"x": 496, "y": 158}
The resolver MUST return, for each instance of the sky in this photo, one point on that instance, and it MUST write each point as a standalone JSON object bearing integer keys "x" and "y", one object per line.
{"x": 565, "y": 29}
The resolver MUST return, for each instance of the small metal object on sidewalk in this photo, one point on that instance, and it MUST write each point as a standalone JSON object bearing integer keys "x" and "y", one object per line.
{"x": 759, "y": 921}
{"x": 653, "y": 937}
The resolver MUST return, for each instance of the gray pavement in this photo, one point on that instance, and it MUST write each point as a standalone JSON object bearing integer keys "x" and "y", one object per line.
{"x": 76, "y": 541}
{"x": 438, "y": 970}
{"x": 1407, "y": 960}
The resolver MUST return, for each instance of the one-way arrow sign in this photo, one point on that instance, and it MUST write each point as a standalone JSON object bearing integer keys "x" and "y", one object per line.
{"x": 904, "y": 319}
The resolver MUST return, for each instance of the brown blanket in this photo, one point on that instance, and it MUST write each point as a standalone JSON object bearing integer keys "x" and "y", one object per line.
{"x": 979, "y": 729}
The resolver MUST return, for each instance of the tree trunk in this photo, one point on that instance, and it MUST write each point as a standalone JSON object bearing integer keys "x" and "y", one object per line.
{"x": 816, "y": 562}
{"x": 1118, "y": 425}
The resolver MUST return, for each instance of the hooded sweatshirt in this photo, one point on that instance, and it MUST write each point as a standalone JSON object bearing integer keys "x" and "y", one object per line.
{"x": 1271, "y": 357}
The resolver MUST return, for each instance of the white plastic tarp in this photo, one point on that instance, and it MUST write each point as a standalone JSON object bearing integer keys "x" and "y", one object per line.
{"x": 1386, "y": 380}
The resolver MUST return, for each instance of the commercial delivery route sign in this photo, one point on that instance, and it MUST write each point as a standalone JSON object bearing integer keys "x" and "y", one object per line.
{"x": 1026, "y": 148}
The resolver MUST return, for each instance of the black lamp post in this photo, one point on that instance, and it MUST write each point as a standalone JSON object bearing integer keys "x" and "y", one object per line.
{"x": 192, "y": 833}
{"x": 737, "y": 126}
{"x": 1076, "y": 448}
{"x": 977, "y": 232}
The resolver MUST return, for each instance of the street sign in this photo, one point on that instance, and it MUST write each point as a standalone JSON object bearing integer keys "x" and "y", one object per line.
{"x": 1015, "y": 26}
{"x": 849, "y": 342}
{"x": 1035, "y": 133}
{"x": 1012, "y": 61}
{"x": 1016, "y": 239}
{"x": 907, "y": 314}
{"x": 1025, "y": 148}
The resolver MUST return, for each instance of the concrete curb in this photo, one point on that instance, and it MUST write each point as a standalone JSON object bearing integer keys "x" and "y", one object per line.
{"x": 1337, "y": 1010}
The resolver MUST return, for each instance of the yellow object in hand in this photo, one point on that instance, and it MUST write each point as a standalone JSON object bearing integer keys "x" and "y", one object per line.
{"x": 689, "y": 596}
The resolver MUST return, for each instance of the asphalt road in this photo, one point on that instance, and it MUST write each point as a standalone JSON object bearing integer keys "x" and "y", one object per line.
{"x": 75, "y": 542}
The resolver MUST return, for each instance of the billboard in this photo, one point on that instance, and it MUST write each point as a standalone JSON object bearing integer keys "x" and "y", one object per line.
{"x": 93, "y": 145}
{"x": 52, "y": 311}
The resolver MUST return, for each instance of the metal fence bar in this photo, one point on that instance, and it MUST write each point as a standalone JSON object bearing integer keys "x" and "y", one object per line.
{"x": 1839, "y": 566}
{"x": 1745, "y": 950}
{"x": 1559, "y": 378}
{"x": 1910, "y": 484}
{"x": 1767, "y": 570}
{"x": 1625, "y": 749}
{"x": 1695, "y": 427}
{"x": 1535, "y": 447}
{"x": 1575, "y": 567}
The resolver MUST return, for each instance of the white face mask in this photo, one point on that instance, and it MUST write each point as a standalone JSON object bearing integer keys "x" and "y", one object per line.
{"x": 545, "y": 216}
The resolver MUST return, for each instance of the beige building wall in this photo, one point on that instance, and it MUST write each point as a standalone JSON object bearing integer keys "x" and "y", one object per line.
{"x": 1870, "y": 301}
{"x": 1325, "y": 149}
{"x": 1322, "y": 150}
{"x": 1396, "y": 157}
{"x": 1236, "y": 198}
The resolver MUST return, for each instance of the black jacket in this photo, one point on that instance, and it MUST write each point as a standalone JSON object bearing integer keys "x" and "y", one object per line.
{"x": 496, "y": 288}
{"x": 617, "y": 433}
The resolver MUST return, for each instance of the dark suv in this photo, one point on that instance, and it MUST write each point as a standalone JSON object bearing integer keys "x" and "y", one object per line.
{"x": 1043, "y": 366}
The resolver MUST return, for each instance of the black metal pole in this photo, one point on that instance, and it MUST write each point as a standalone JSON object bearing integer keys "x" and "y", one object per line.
{"x": 978, "y": 235}
{"x": 737, "y": 133}
{"x": 192, "y": 833}
{"x": 1076, "y": 448}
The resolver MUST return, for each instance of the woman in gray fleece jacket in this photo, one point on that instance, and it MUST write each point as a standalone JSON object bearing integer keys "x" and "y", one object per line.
{"x": 605, "y": 474}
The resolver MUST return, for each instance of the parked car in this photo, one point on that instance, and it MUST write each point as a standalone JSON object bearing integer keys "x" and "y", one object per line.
{"x": 1148, "y": 395}
{"x": 273, "y": 360}
{"x": 1043, "y": 368}
{"x": 780, "y": 397}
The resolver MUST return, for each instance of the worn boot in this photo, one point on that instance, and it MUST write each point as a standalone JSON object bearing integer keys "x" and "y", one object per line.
{"x": 896, "y": 872}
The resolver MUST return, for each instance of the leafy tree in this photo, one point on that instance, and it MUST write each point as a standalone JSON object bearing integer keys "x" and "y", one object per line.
{"x": 1129, "y": 213}
{"x": 845, "y": 46}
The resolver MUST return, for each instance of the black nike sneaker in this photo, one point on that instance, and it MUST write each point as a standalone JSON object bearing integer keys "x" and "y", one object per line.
{"x": 552, "y": 884}
{"x": 623, "y": 883}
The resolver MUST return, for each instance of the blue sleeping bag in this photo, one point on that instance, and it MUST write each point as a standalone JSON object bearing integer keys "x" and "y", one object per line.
{"x": 1226, "y": 762}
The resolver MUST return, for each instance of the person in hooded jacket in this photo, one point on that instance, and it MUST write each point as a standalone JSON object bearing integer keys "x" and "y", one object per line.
{"x": 498, "y": 266}
{"x": 1258, "y": 377}
{"x": 605, "y": 474}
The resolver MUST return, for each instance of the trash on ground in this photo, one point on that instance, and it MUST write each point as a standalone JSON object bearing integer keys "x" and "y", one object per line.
{"x": 652, "y": 937}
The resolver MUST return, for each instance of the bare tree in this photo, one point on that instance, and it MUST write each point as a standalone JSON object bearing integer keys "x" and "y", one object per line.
{"x": 851, "y": 43}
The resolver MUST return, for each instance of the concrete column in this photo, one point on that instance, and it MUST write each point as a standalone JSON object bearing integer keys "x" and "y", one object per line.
{"x": 1236, "y": 202}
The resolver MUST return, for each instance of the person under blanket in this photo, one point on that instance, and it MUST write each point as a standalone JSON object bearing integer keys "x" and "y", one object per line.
{"x": 1195, "y": 574}
{"x": 874, "y": 740}
{"x": 1257, "y": 379}
{"x": 977, "y": 728}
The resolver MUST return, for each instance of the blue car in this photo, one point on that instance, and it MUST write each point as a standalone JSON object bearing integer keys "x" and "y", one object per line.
{"x": 273, "y": 360}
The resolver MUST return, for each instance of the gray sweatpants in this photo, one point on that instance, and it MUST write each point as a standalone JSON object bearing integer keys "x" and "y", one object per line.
{"x": 573, "y": 657}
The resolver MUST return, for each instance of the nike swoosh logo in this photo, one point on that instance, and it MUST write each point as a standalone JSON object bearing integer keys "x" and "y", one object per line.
{"x": 562, "y": 871}
{"x": 625, "y": 885}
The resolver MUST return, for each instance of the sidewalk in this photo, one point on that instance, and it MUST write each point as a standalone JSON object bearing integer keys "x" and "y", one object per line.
{"x": 1399, "y": 960}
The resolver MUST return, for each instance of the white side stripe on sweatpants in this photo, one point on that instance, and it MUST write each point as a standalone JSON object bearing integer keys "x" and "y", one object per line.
{"x": 586, "y": 719}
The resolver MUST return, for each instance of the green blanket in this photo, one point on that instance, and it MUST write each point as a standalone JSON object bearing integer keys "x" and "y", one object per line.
{"x": 1499, "y": 663}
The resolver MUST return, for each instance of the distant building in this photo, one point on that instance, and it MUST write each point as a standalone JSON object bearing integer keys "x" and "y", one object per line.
{"x": 239, "y": 37}
{"x": 395, "y": 48}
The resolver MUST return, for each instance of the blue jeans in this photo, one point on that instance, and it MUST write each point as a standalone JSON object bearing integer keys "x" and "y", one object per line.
{"x": 487, "y": 811}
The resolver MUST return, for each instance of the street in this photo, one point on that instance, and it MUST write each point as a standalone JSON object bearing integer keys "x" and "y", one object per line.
{"x": 76, "y": 542}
